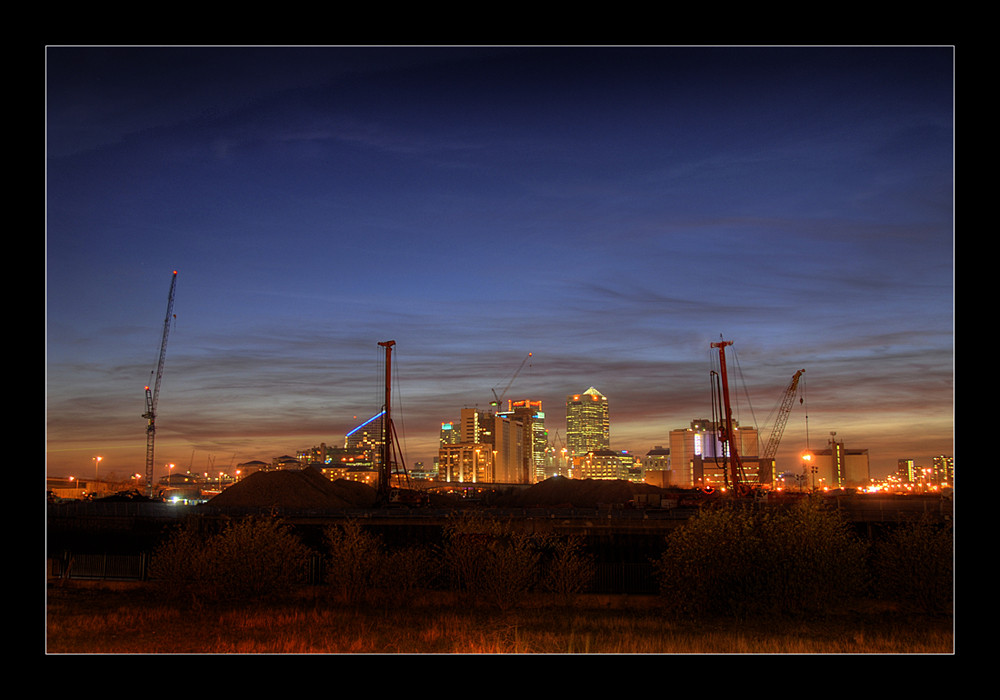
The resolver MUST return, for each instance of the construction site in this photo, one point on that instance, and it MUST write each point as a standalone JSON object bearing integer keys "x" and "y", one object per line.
{"x": 623, "y": 522}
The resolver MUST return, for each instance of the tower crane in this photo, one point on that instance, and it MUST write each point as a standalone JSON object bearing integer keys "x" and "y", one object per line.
{"x": 767, "y": 456}
{"x": 153, "y": 394}
{"x": 497, "y": 400}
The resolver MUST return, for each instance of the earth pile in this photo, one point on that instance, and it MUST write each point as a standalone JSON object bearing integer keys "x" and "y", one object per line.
{"x": 558, "y": 491}
{"x": 295, "y": 488}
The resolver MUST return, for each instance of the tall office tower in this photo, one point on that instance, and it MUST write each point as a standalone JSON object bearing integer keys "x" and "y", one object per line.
{"x": 509, "y": 453}
{"x": 536, "y": 439}
{"x": 489, "y": 447}
{"x": 466, "y": 463}
{"x": 476, "y": 426}
{"x": 944, "y": 469}
{"x": 906, "y": 470}
{"x": 587, "y": 425}
{"x": 367, "y": 436}
{"x": 450, "y": 433}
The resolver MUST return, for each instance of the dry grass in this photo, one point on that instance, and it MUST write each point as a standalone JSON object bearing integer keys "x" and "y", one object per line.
{"x": 135, "y": 619}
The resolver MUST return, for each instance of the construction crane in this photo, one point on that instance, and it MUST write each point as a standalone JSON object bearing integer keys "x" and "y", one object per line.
{"x": 498, "y": 400}
{"x": 735, "y": 475}
{"x": 784, "y": 409}
{"x": 152, "y": 395}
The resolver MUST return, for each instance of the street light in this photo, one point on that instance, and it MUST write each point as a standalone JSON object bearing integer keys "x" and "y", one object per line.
{"x": 97, "y": 464}
{"x": 808, "y": 466}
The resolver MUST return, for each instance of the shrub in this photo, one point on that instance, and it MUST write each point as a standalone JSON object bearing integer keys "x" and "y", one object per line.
{"x": 354, "y": 561}
{"x": 251, "y": 557}
{"x": 568, "y": 568}
{"x": 403, "y": 572}
{"x": 491, "y": 561}
{"x": 914, "y": 566}
{"x": 258, "y": 557}
{"x": 710, "y": 563}
{"x": 510, "y": 569}
{"x": 814, "y": 561}
{"x": 744, "y": 560}
{"x": 182, "y": 559}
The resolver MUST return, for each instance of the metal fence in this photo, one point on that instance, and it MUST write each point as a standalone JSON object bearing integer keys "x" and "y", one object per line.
{"x": 105, "y": 567}
{"x": 608, "y": 578}
{"x": 624, "y": 578}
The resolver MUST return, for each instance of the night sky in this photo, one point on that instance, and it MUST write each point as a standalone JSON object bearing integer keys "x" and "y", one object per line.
{"x": 612, "y": 211}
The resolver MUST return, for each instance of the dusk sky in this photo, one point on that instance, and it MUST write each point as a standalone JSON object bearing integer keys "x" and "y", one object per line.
{"x": 612, "y": 211}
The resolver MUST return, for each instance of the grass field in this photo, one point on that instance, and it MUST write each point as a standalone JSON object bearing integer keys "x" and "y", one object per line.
{"x": 110, "y": 618}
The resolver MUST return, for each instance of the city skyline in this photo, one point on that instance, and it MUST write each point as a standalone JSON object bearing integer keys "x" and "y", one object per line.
{"x": 612, "y": 211}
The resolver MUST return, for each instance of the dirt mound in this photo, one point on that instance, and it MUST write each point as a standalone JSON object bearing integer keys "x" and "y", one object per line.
{"x": 577, "y": 493}
{"x": 295, "y": 488}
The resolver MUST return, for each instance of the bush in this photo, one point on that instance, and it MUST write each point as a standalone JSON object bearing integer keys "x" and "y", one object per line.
{"x": 183, "y": 559}
{"x": 814, "y": 560}
{"x": 568, "y": 568}
{"x": 914, "y": 566}
{"x": 258, "y": 557}
{"x": 743, "y": 560}
{"x": 405, "y": 571}
{"x": 491, "y": 561}
{"x": 354, "y": 561}
{"x": 252, "y": 557}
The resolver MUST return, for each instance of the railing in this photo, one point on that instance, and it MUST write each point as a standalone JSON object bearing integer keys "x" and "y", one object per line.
{"x": 105, "y": 567}
{"x": 608, "y": 578}
{"x": 635, "y": 579}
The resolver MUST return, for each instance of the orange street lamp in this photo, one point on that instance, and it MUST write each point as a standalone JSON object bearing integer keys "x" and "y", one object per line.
{"x": 807, "y": 464}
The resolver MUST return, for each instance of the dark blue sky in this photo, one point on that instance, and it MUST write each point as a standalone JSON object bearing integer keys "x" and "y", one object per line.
{"x": 611, "y": 210}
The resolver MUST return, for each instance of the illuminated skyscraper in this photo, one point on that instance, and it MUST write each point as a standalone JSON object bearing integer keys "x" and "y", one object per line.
{"x": 536, "y": 439}
{"x": 587, "y": 424}
{"x": 450, "y": 433}
{"x": 944, "y": 469}
{"x": 476, "y": 426}
{"x": 483, "y": 447}
{"x": 367, "y": 436}
{"x": 906, "y": 470}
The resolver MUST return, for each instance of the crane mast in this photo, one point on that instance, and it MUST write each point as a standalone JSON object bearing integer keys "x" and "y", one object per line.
{"x": 726, "y": 434}
{"x": 390, "y": 443}
{"x": 152, "y": 395}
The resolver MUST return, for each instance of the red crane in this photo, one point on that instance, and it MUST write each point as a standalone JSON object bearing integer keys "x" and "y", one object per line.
{"x": 391, "y": 454}
{"x": 152, "y": 395}
{"x": 731, "y": 452}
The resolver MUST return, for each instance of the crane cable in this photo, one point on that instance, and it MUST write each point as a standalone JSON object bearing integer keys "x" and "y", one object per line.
{"x": 805, "y": 406}
{"x": 399, "y": 403}
{"x": 746, "y": 392}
